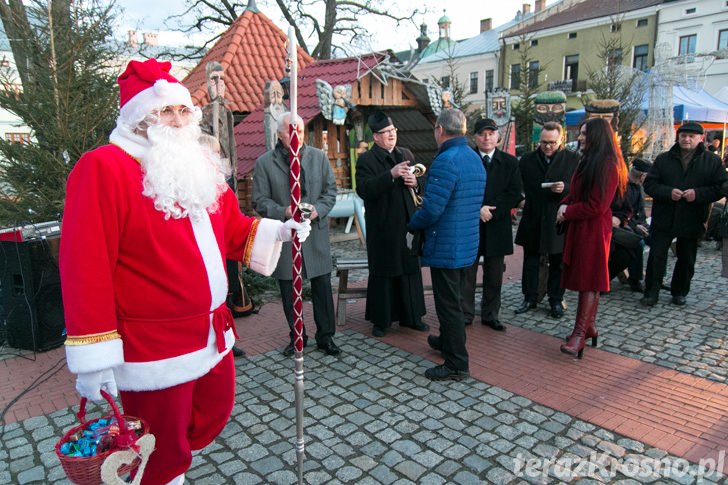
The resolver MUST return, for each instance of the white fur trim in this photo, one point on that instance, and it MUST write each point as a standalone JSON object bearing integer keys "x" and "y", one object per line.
{"x": 94, "y": 357}
{"x": 178, "y": 480}
{"x": 162, "y": 93}
{"x": 133, "y": 144}
{"x": 161, "y": 374}
{"x": 266, "y": 247}
{"x": 210, "y": 252}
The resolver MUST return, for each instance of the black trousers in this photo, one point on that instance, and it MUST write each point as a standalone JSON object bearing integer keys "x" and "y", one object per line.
{"x": 636, "y": 273}
{"x": 490, "y": 304}
{"x": 529, "y": 278}
{"x": 686, "y": 249}
{"x": 323, "y": 307}
{"x": 446, "y": 288}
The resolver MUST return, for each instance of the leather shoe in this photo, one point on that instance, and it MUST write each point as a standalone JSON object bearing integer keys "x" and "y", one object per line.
{"x": 291, "y": 348}
{"x": 678, "y": 300}
{"x": 636, "y": 286}
{"x": 329, "y": 347}
{"x": 378, "y": 331}
{"x": 238, "y": 352}
{"x": 494, "y": 324}
{"x": 525, "y": 306}
{"x": 648, "y": 300}
{"x": 420, "y": 326}
{"x": 557, "y": 310}
{"x": 434, "y": 342}
{"x": 444, "y": 373}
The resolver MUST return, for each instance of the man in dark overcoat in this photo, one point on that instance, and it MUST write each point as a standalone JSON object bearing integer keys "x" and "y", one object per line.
{"x": 384, "y": 180}
{"x": 502, "y": 193}
{"x": 548, "y": 164}
{"x": 683, "y": 182}
{"x": 272, "y": 199}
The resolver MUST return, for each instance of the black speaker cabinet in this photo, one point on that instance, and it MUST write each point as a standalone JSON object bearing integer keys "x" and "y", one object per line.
{"x": 31, "y": 307}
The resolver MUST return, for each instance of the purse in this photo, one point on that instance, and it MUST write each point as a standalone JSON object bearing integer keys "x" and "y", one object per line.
{"x": 626, "y": 237}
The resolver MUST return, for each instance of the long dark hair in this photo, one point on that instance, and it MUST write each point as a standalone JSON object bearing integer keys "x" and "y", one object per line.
{"x": 600, "y": 155}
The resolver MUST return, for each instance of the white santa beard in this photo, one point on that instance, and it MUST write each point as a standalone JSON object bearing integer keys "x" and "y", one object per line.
{"x": 183, "y": 177}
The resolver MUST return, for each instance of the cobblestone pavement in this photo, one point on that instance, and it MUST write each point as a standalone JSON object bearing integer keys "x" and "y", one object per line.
{"x": 690, "y": 339}
{"x": 371, "y": 418}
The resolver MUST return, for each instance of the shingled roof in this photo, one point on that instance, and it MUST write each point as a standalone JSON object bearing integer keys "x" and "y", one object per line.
{"x": 252, "y": 51}
{"x": 585, "y": 10}
{"x": 249, "y": 133}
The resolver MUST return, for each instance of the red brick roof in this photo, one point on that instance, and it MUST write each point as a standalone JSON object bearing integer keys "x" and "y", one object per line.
{"x": 586, "y": 10}
{"x": 249, "y": 133}
{"x": 252, "y": 51}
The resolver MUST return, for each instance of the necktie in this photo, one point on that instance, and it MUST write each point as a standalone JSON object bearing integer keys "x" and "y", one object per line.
{"x": 486, "y": 161}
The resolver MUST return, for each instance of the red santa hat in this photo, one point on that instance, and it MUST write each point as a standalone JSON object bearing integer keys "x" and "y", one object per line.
{"x": 147, "y": 86}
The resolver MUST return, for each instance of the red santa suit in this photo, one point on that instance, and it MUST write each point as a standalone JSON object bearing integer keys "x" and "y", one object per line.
{"x": 145, "y": 295}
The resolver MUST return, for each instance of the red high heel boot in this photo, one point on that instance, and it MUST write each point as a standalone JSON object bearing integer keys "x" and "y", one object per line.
{"x": 591, "y": 331}
{"x": 585, "y": 327}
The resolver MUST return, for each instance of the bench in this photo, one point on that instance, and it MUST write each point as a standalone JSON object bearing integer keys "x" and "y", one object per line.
{"x": 343, "y": 266}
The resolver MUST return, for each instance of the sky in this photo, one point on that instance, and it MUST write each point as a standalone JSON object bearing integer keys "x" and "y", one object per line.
{"x": 150, "y": 16}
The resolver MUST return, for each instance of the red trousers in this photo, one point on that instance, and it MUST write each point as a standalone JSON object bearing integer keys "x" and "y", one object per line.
{"x": 183, "y": 418}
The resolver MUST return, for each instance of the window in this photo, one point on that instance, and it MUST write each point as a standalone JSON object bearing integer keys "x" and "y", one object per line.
{"x": 615, "y": 27}
{"x": 572, "y": 35}
{"x": 445, "y": 82}
{"x": 642, "y": 23}
{"x": 515, "y": 76}
{"x": 473, "y": 82}
{"x": 516, "y": 46}
{"x": 723, "y": 39}
{"x": 533, "y": 69}
{"x": 571, "y": 68}
{"x": 690, "y": 11}
{"x": 640, "y": 57}
{"x": 489, "y": 76}
{"x": 17, "y": 137}
{"x": 614, "y": 58}
{"x": 687, "y": 44}
{"x": 534, "y": 42}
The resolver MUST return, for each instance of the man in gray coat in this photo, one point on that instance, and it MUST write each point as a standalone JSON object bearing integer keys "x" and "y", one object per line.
{"x": 271, "y": 198}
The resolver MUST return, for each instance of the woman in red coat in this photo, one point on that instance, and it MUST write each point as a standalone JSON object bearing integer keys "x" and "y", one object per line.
{"x": 586, "y": 211}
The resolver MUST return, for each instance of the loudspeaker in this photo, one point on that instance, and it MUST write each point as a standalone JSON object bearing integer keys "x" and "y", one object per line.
{"x": 31, "y": 306}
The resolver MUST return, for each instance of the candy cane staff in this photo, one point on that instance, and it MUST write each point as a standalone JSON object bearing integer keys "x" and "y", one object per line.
{"x": 295, "y": 182}
{"x": 149, "y": 221}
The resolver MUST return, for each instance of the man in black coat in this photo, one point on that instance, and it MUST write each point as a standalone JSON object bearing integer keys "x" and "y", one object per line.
{"x": 683, "y": 182}
{"x": 502, "y": 193}
{"x": 384, "y": 180}
{"x": 638, "y": 222}
{"x": 546, "y": 175}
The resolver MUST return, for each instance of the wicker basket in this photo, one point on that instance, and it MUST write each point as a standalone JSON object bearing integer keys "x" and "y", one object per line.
{"x": 87, "y": 470}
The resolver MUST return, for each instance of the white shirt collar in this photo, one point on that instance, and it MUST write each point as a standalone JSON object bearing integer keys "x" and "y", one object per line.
{"x": 490, "y": 155}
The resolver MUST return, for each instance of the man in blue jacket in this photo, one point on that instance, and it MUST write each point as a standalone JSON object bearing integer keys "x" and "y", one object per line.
{"x": 449, "y": 217}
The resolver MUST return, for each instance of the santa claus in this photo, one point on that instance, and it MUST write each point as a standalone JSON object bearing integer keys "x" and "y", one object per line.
{"x": 148, "y": 224}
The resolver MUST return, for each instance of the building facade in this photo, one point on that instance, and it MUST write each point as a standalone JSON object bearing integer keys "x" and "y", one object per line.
{"x": 563, "y": 48}
{"x": 694, "y": 29}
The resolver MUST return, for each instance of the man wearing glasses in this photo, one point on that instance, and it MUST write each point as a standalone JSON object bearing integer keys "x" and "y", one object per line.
{"x": 546, "y": 174}
{"x": 385, "y": 181}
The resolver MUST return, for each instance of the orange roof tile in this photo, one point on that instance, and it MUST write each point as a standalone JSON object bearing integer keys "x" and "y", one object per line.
{"x": 247, "y": 67}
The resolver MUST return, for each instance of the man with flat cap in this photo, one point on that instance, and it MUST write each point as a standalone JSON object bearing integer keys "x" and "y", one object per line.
{"x": 638, "y": 221}
{"x": 683, "y": 182}
{"x": 384, "y": 180}
{"x": 502, "y": 193}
